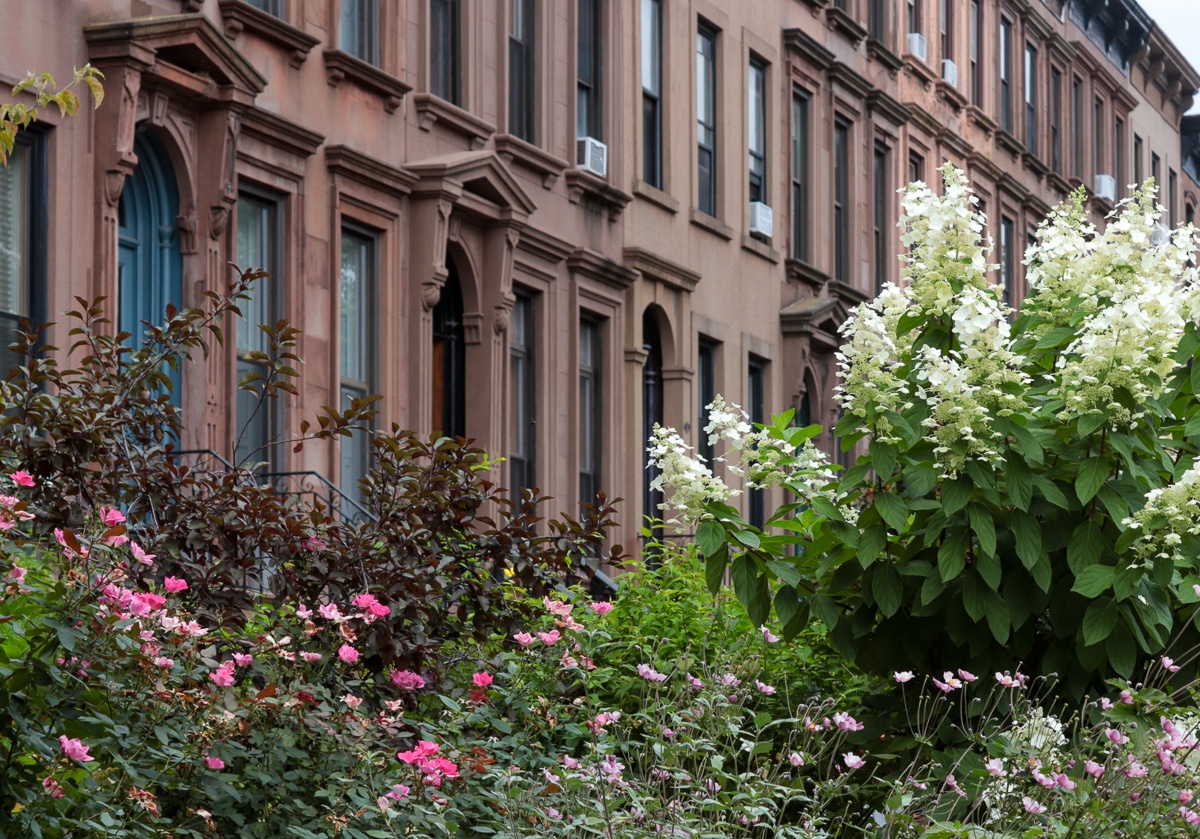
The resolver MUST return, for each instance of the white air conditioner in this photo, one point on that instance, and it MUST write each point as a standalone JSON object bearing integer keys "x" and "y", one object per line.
{"x": 1162, "y": 234}
{"x": 761, "y": 220}
{"x": 1106, "y": 187}
{"x": 592, "y": 156}
{"x": 916, "y": 44}
{"x": 949, "y": 72}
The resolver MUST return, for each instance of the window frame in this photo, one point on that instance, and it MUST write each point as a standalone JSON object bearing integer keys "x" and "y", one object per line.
{"x": 707, "y": 351}
{"x": 1008, "y": 232}
{"x": 881, "y": 182}
{"x": 976, "y": 49}
{"x": 756, "y": 400}
{"x": 589, "y": 92}
{"x": 445, "y": 49}
{"x": 33, "y": 144}
{"x": 1005, "y": 34}
{"x": 523, "y": 351}
{"x": 366, "y": 46}
{"x": 756, "y": 122}
{"x": 653, "y": 169}
{"x": 1031, "y": 98}
{"x": 522, "y": 70}
{"x": 801, "y": 141}
{"x": 842, "y": 207}
{"x": 1056, "y": 103}
{"x": 706, "y": 101}
{"x": 592, "y": 328}
{"x": 365, "y": 386}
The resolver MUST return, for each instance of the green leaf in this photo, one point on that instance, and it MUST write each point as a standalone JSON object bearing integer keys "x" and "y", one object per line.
{"x": 1028, "y": 532}
{"x": 1019, "y": 480}
{"x": 983, "y": 526}
{"x": 750, "y": 586}
{"x": 787, "y": 572}
{"x": 827, "y": 508}
{"x": 1027, "y": 444}
{"x": 1088, "y": 423}
{"x": 786, "y": 603}
{"x": 710, "y": 536}
{"x": 1086, "y": 546}
{"x": 1094, "y": 581}
{"x": 1056, "y": 337}
{"x": 825, "y": 610}
{"x": 974, "y": 596}
{"x": 999, "y": 617}
{"x": 892, "y": 509}
{"x": 952, "y": 555}
{"x": 883, "y": 456}
{"x": 919, "y": 480}
{"x": 1042, "y": 573}
{"x": 1114, "y": 503}
{"x": 887, "y": 589}
{"x": 1121, "y": 652}
{"x": 956, "y": 493}
{"x": 1051, "y": 492}
{"x": 1099, "y": 620}
{"x": 988, "y": 568}
{"x": 871, "y": 543}
{"x": 714, "y": 569}
{"x": 748, "y": 538}
{"x": 1093, "y": 472}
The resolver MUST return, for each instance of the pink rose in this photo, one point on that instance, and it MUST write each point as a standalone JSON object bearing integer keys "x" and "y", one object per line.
{"x": 347, "y": 653}
{"x": 365, "y": 601}
{"x": 222, "y": 676}
{"x": 52, "y": 787}
{"x": 73, "y": 748}
{"x": 523, "y": 638}
{"x": 164, "y": 662}
{"x": 482, "y": 680}
{"x": 140, "y": 554}
{"x": 17, "y": 574}
{"x": 549, "y": 638}
{"x": 601, "y": 608}
{"x": 22, "y": 478}
{"x": 214, "y": 763}
{"x": 310, "y": 657}
{"x": 111, "y": 517}
{"x": 407, "y": 680}
{"x": 351, "y": 700}
{"x": 174, "y": 585}
{"x": 242, "y": 659}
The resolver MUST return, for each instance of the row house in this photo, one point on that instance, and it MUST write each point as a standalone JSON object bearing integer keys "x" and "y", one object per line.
{"x": 549, "y": 224}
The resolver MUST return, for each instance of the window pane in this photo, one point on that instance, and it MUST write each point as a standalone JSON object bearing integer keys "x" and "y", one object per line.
{"x": 523, "y": 397}
{"x": 355, "y": 452}
{"x": 358, "y": 29}
{"x": 444, "y": 41}
{"x": 650, "y": 45}
{"x": 14, "y": 235}
{"x": 757, "y": 115}
{"x": 255, "y": 236}
{"x": 356, "y": 279}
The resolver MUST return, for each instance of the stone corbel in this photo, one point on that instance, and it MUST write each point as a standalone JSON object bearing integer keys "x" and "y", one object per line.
{"x": 431, "y": 293}
{"x": 114, "y": 182}
{"x": 187, "y": 232}
{"x": 502, "y": 315}
{"x": 218, "y": 218}
{"x": 473, "y": 328}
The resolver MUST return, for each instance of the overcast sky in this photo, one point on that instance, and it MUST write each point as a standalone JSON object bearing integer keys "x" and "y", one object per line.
{"x": 1180, "y": 19}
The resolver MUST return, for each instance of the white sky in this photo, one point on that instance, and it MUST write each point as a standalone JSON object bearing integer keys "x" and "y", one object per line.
{"x": 1180, "y": 19}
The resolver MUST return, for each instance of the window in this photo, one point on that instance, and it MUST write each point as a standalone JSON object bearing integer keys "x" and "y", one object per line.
{"x": 1006, "y": 75}
{"x": 1098, "y": 122}
{"x": 523, "y": 397}
{"x": 800, "y": 249}
{"x": 706, "y": 389}
{"x": 449, "y": 397}
{"x": 1156, "y": 171}
{"x": 520, "y": 71}
{"x": 914, "y": 15}
{"x": 876, "y": 22}
{"x": 946, "y": 19}
{"x": 652, "y": 137}
{"x": 1007, "y": 258}
{"x": 358, "y": 30}
{"x": 653, "y": 396}
{"x": 1172, "y": 197}
{"x": 588, "y": 102}
{"x": 841, "y": 200}
{"x": 23, "y": 238}
{"x": 706, "y": 119}
{"x": 591, "y": 427}
{"x": 1119, "y": 154}
{"x": 257, "y": 247}
{"x": 1031, "y": 133}
{"x": 445, "y": 50}
{"x": 756, "y": 408}
{"x": 355, "y": 340}
{"x": 976, "y": 53}
{"x": 883, "y": 200}
{"x": 1137, "y": 160}
{"x": 272, "y": 7}
{"x": 916, "y": 167}
{"x": 757, "y": 125}
{"x": 1056, "y": 120}
{"x": 1077, "y": 124}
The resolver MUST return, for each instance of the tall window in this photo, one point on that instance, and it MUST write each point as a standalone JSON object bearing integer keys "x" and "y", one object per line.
{"x": 520, "y": 70}
{"x": 523, "y": 397}
{"x": 841, "y": 200}
{"x": 757, "y": 124}
{"x": 1056, "y": 120}
{"x": 1031, "y": 103}
{"x": 1156, "y": 172}
{"x": 1172, "y": 197}
{"x": 1006, "y": 75}
{"x": 800, "y": 249}
{"x": 358, "y": 29}
{"x": 1077, "y": 124}
{"x": 946, "y": 20}
{"x": 23, "y": 235}
{"x": 591, "y": 427}
{"x": 883, "y": 200}
{"x": 914, "y": 15}
{"x": 355, "y": 340}
{"x": 588, "y": 102}
{"x": 1138, "y": 171}
{"x": 916, "y": 167}
{"x": 1119, "y": 154}
{"x": 257, "y": 247}
{"x": 706, "y": 118}
{"x": 652, "y": 412}
{"x": 1007, "y": 258}
{"x": 706, "y": 389}
{"x": 445, "y": 50}
{"x": 652, "y": 134}
{"x": 756, "y": 408}
{"x": 976, "y": 53}
{"x": 876, "y": 22}
{"x": 1098, "y": 133}
{"x": 450, "y": 359}
{"x": 273, "y": 7}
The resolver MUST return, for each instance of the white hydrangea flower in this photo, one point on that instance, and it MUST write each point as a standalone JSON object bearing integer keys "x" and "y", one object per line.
{"x": 1170, "y": 513}
{"x": 691, "y": 482}
{"x": 869, "y": 358}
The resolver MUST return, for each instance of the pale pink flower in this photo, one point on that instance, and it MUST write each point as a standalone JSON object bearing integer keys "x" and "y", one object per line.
{"x": 17, "y": 574}
{"x": 1185, "y": 796}
{"x": 407, "y": 680}
{"x": 222, "y": 676}
{"x": 242, "y": 659}
{"x": 966, "y": 676}
{"x": 111, "y": 517}
{"x": 1126, "y": 697}
{"x": 303, "y": 611}
{"x": 693, "y": 682}
{"x": 1115, "y": 736}
{"x": 1006, "y": 680}
{"x": 312, "y": 543}
{"x": 139, "y": 554}
{"x": 549, "y": 638}
{"x": 1105, "y": 703}
{"x": 795, "y": 759}
{"x": 482, "y": 679}
{"x": 995, "y": 767}
{"x": 846, "y": 722}
{"x": 347, "y": 653}
{"x": 352, "y": 700}
{"x": 523, "y": 638}
{"x": 311, "y": 657}
{"x": 668, "y": 733}
{"x": 852, "y": 760}
{"x": 73, "y": 748}
{"x": 557, "y": 607}
{"x": 1196, "y": 588}
{"x": 601, "y": 608}
{"x": 52, "y": 787}
{"x": 1135, "y": 770}
{"x": 164, "y": 662}
{"x": 902, "y": 676}
{"x": 22, "y": 478}
{"x": 214, "y": 762}
{"x": 1032, "y": 806}
{"x": 1060, "y": 779}
{"x": 174, "y": 585}
{"x": 330, "y": 611}
{"x": 116, "y": 541}
{"x": 1094, "y": 769}
{"x": 1170, "y": 665}
{"x": 764, "y": 688}
{"x": 650, "y": 674}
{"x": 399, "y": 792}
{"x": 569, "y": 762}
{"x": 767, "y": 635}
{"x": 1189, "y": 816}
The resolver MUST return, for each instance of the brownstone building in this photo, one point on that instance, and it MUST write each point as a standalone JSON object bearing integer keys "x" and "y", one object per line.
{"x": 547, "y": 224}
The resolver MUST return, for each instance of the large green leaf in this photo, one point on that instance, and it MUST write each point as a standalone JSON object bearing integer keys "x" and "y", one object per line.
{"x": 1028, "y": 532}
{"x": 1056, "y": 337}
{"x": 956, "y": 492}
{"x": 786, "y": 571}
{"x": 886, "y": 588}
{"x": 983, "y": 526}
{"x": 750, "y": 585}
{"x": 1093, "y": 472}
{"x": 919, "y": 479}
{"x": 710, "y": 536}
{"x": 998, "y": 617}
{"x": 1094, "y": 581}
{"x": 1086, "y": 546}
{"x": 883, "y": 455}
{"x": 871, "y": 543}
{"x": 714, "y": 569}
{"x": 892, "y": 509}
{"x": 1099, "y": 620}
{"x": 825, "y": 610}
{"x": 952, "y": 555}
{"x": 1019, "y": 480}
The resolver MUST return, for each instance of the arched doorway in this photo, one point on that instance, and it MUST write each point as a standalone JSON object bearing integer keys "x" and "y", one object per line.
{"x": 652, "y": 411}
{"x": 149, "y": 260}
{"x": 449, "y": 360}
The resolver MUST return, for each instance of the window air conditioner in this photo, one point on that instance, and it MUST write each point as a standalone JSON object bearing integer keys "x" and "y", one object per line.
{"x": 916, "y": 44}
{"x": 761, "y": 223}
{"x": 1162, "y": 234}
{"x": 949, "y": 72}
{"x": 592, "y": 156}
{"x": 1106, "y": 187}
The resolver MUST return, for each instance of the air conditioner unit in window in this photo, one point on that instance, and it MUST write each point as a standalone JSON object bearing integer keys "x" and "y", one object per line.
{"x": 949, "y": 72}
{"x": 1162, "y": 234}
{"x": 1106, "y": 187}
{"x": 592, "y": 156}
{"x": 761, "y": 220}
{"x": 916, "y": 44}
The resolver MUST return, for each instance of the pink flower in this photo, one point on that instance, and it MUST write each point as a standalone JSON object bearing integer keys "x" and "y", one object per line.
{"x": 1060, "y": 779}
{"x": 140, "y": 554}
{"x": 214, "y": 763}
{"x": 569, "y": 762}
{"x": 22, "y": 478}
{"x": 310, "y": 657}
{"x": 693, "y": 682}
{"x": 312, "y": 543}
{"x": 795, "y": 759}
{"x": 222, "y": 676}
{"x": 1170, "y": 665}
{"x": 482, "y": 679}
{"x": 111, "y": 517}
{"x": 1126, "y": 697}
{"x": 1105, "y": 704}
{"x": 1188, "y": 816}
{"x": 1006, "y": 680}
{"x": 1115, "y": 736}
{"x": 303, "y": 611}
{"x": 365, "y": 601}
{"x": 352, "y": 700}
{"x": 995, "y": 767}
{"x": 153, "y": 601}
{"x": 650, "y": 674}
{"x": 523, "y": 638}
{"x": 1196, "y": 588}
{"x": 767, "y": 635}
{"x": 407, "y": 680}
{"x": 601, "y": 608}
{"x": 378, "y": 610}
{"x": 1135, "y": 770}
{"x": 549, "y": 638}
{"x": 668, "y": 733}
{"x": 846, "y": 722}
{"x": 1094, "y": 769}
{"x": 852, "y": 760}
{"x": 347, "y": 653}
{"x": 73, "y": 748}
{"x": 902, "y": 676}
{"x": 174, "y": 585}
{"x": 17, "y": 574}
{"x": 399, "y": 792}
{"x": 52, "y": 787}
{"x": 1185, "y": 796}
{"x": 164, "y": 662}
{"x": 424, "y": 749}
{"x": 331, "y": 612}
{"x": 557, "y": 607}
{"x": 965, "y": 676}
{"x": 764, "y": 688}
{"x": 1032, "y": 806}
{"x": 242, "y": 659}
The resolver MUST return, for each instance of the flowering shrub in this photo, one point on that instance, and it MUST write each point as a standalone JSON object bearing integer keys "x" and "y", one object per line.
{"x": 1027, "y": 478}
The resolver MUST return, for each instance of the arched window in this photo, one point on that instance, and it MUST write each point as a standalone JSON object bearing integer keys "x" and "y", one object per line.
{"x": 449, "y": 360}
{"x": 652, "y": 409}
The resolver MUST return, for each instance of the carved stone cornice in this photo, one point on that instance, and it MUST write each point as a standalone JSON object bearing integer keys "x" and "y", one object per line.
{"x": 240, "y": 16}
{"x": 342, "y": 66}
{"x": 598, "y": 267}
{"x": 513, "y": 149}
{"x": 582, "y": 184}
{"x": 807, "y": 47}
{"x": 433, "y": 110}
{"x": 369, "y": 171}
{"x": 654, "y": 267}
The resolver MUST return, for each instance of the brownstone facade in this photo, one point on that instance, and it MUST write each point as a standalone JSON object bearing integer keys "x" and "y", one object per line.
{"x": 412, "y": 173}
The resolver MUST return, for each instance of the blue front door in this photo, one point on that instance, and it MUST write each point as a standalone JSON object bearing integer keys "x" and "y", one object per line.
{"x": 149, "y": 261}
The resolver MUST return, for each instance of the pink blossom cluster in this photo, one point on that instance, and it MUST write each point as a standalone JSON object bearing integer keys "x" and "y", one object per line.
{"x": 432, "y": 765}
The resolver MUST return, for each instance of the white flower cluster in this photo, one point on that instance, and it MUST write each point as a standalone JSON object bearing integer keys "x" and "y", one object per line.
{"x": 959, "y": 423}
{"x": 1170, "y": 513}
{"x": 869, "y": 358}
{"x": 692, "y": 483}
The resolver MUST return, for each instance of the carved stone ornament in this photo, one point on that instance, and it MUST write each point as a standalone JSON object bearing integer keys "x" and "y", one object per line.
{"x": 218, "y": 218}
{"x": 114, "y": 182}
{"x": 431, "y": 293}
{"x": 187, "y": 232}
{"x": 502, "y": 316}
